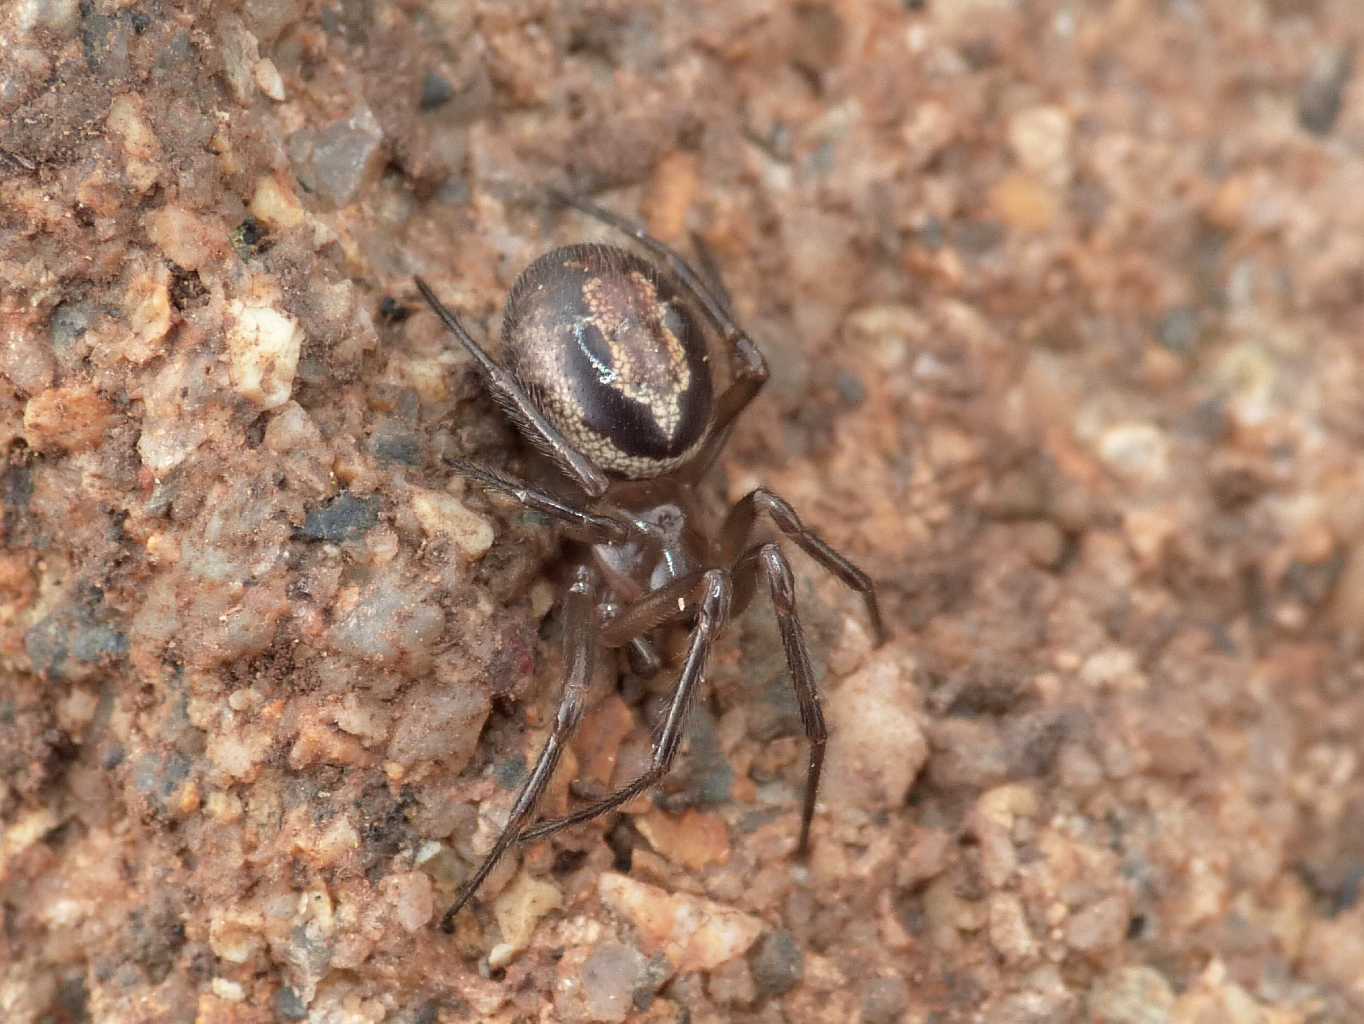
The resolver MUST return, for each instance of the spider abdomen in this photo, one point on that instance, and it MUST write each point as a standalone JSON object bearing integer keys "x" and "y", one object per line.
{"x": 612, "y": 355}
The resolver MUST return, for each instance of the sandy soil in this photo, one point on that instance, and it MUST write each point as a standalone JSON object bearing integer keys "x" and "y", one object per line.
{"x": 1063, "y": 302}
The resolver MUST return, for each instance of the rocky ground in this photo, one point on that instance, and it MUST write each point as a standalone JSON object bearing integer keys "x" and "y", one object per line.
{"x": 1063, "y": 302}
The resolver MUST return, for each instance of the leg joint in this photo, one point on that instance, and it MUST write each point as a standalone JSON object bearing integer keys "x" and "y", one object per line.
{"x": 779, "y": 509}
{"x": 715, "y": 600}
{"x": 779, "y": 577}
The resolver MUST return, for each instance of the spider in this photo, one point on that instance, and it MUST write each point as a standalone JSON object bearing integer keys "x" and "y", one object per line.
{"x": 609, "y": 376}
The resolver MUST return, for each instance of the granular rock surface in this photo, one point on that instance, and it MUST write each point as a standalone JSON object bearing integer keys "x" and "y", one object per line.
{"x": 1064, "y": 305}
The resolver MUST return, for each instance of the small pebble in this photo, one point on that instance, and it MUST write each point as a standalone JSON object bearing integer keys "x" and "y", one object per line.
{"x": 610, "y": 978}
{"x": 1008, "y": 928}
{"x": 882, "y": 747}
{"x": 884, "y": 999}
{"x": 394, "y": 622}
{"x": 228, "y": 990}
{"x": 335, "y": 163}
{"x": 1040, "y": 138}
{"x": 695, "y": 839}
{"x": 1137, "y": 451}
{"x": 1131, "y": 995}
{"x": 187, "y": 239}
{"x": 241, "y": 52}
{"x": 268, "y": 80}
{"x": 1322, "y": 94}
{"x": 343, "y": 518}
{"x": 731, "y": 984}
{"x": 25, "y": 358}
{"x": 291, "y": 428}
{"x": 1099, "y": 927}
{"x": 147, "y": 310}
{"x": 436, "y": 91}
{"x": 777, "y": 963}
{"x": 410, "y": 897}
{"x": 444, "y": 516}
{"x": 695, "y": 934}
{"x": 69, "y": 419}
{"x": 518, "y": 908}
{"x": 1023, "y": 203}
{"x": 289, "y": 1006}
{"x": 142, "y": 155}
{"x": 1216, "y": 998}
{"x": 441, "y": 723}
{"x": 263, "y": 344}
{"x": 273, "y": 204}
{"x": 1179, "y": 330}
{"x": 70, "y": 320}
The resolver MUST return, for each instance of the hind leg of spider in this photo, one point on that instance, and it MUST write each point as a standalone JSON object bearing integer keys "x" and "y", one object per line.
{"x": 711, "y": 618}
{"x": 711, "y": 303}
{"x": 738, "y": 527}
{"x": 580, "y": 648}
{"x": 528, "y": 417}
{"x": 769, "y": 560}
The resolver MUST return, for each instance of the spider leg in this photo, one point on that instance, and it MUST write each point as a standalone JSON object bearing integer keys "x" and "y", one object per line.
{"x": 645, "y": 661}
{"x": 582, "y": 524}
{"x": 738, "y": 526}
{"x": 580, "y": 648}
{"x": 771, "y": 562}
{"x": 666, "y": 604}
{"x": 748, "y": 367}
{"x": 509, "y": 392}
{"x": 713, "y": 307}
{"x": 711, "y": 619}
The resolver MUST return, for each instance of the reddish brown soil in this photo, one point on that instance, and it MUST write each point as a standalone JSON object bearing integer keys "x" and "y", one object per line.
{"x": 1063, "y": 303}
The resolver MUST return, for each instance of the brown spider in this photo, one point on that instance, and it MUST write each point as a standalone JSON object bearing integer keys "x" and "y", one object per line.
{"x": 609, "y": 377}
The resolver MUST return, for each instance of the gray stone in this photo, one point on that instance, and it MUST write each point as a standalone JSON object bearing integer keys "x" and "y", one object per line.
{"x": 74, "y": 639}
{"x": 884, "y": 1000}
{"x": 610, "y": 977}
{"x": 778, "y": 964}
{"x": 336, "y": 162}
{"x": 394, "y": 623}
{"x": 343, "y": 518}
{"x": 1322, "y": 93}
{"x": 1132, "y": 995}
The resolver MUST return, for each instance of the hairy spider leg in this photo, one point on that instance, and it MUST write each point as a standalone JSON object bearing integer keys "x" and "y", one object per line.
{"x": 769, "y": 560}
{"x": 658, "y": 607}
{"x": 584, "y": 632}
{"x": 710, "y": 620}
{"x": 738, "y": 527}
{"x": 581, "y": 524}
{"x": 513, "y": 397}
{"x": 580, "y": 651}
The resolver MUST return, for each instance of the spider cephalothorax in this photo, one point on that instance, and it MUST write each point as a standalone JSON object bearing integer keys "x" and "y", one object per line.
{"x": 609, "y": 374}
